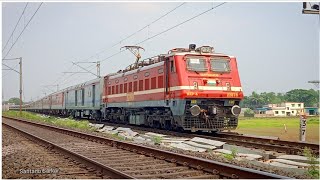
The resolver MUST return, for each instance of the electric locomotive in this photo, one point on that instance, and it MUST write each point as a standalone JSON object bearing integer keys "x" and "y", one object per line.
{"x": 191, "y": 88}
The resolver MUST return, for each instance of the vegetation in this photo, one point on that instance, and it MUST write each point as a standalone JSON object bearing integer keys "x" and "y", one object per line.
{"x": 313, "y": 169}
{"x": 157, "y": 140}
{"x": 248, "y": 113}
{"x": 66, "y": 122}
{"x": 308, "y": 97}
{"x": 14, "y": 100}
{"x": 234, "y": 152}
{"x": 263, "y": 122}
{"x": 232, "y": 155}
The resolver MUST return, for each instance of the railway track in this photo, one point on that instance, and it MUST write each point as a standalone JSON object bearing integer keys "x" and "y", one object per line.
{"x": 28, "y": 159}
{"x": 281, "y": 146}
{"x": 118, "y": 159}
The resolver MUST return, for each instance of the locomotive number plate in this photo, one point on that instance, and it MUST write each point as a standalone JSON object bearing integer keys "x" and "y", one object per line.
{"x": 192, "y": 94}
{"x": 193, "y": 101}
{"x": 232, "y": 94}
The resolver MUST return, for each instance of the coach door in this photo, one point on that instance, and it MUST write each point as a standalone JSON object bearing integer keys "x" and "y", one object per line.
{"x": 76, "y": 98}
{"x": 167, "y": 80}
{"x": 93, "y": 95}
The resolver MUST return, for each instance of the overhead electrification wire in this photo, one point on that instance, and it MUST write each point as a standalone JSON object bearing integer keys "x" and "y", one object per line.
{"x": 204, "y": 12}
{"x": 136, "y": 32}
{"x": 14, "y": 29}
{"x": 129, "y": 36}
{"x": 23, "y": 30}
{"x": 200, "y": 14}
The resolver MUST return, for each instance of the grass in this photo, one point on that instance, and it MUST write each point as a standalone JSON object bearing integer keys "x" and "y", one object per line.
{"x": 246, "y": 122}
{"x": 286, "y": 128}
{"x": 313, "y": 169}
{"x": 157, "y": 140}
{"x": 65, "y": 122}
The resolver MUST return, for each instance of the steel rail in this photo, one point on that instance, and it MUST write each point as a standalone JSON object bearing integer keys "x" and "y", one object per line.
{"x": 219, "y": 168}
{"x": 98, "y": 166}
{"x": 289, "y": 147}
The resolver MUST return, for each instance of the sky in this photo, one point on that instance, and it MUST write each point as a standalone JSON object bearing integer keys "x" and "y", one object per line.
{"x": 276, "y": 46}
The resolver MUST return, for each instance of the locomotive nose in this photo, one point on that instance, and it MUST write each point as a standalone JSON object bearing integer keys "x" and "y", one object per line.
{"x": 235, "y": 110}
{"x": 195, "y": 110}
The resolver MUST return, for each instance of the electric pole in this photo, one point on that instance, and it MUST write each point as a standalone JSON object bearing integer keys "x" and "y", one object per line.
{"x": 20, "y": 75}
{"x": 20, "y": 91}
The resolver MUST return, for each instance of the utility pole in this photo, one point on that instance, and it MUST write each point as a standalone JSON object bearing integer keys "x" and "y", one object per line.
{"x": 20, "y": 91}
{"x": 20, "y": 74}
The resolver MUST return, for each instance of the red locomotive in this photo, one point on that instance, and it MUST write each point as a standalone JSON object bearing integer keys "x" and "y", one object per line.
{"x": 187, "y": 89}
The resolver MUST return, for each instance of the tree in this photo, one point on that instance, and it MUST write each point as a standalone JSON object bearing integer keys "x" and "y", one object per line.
{"x": 14, "y": 100}
{"x": 308, "y": 97}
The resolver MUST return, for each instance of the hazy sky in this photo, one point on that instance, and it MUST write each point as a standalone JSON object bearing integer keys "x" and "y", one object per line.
{"x": 277, "y": 47}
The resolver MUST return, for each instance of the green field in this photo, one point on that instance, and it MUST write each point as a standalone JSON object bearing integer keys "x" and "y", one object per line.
{"x": 275, "y": 126}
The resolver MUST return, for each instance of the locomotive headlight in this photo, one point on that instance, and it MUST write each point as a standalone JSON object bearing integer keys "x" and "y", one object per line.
{"x": 235, "y": 110}
{"x": 195, "y": 110}
{"x": 206, "y": 49}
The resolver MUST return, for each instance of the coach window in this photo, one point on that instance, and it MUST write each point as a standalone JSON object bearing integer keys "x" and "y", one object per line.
{"x": 140, "y": 85}
{"x": 153, "y": 83}
{"x": 121, "y": 88}
{"x": 125, "y": 88}
{"x": 146, "y": 84}
{"x": 75, "y": 97}
{"x": 82, "y": 99}
{"x": 135, "y": 86}
{"x": 130, "y": 86}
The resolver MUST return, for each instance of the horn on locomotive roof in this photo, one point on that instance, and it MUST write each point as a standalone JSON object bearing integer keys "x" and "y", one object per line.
{"x": 135, "y": 51}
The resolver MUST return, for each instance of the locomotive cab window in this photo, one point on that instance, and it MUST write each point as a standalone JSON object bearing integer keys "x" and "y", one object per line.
{"x": 220, "y": 65}
{"x": 196, "y": 64}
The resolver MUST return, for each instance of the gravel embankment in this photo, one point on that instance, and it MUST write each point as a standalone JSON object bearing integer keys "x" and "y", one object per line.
{"x": 23, "y": 158}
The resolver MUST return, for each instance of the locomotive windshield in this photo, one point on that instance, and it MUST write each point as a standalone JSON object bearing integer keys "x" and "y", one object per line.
{"x": 220, "y": 65}
{"x": 196, "y": 64}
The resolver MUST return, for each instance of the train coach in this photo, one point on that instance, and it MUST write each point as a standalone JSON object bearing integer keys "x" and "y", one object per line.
{"x": 191, "y": 89}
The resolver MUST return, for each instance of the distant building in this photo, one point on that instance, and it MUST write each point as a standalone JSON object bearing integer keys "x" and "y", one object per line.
{"x": 5, "y": 107}
{"x": 287, "y": 108}
{"x": 311, "y": 111}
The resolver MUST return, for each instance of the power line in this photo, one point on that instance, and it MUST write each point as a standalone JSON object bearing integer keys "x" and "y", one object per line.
{"x": 23, "y": 30}
{"x": 129, "y": 36}
{"x": 10, "y": 68}
{"x": 15, "y": 27}
{"x": 204, "y": 12}
{"x": 200, "y": 14}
